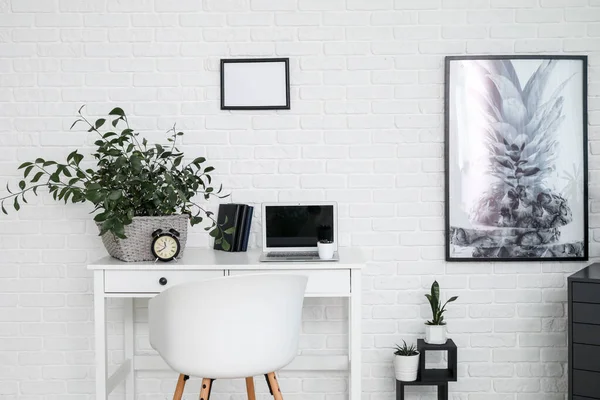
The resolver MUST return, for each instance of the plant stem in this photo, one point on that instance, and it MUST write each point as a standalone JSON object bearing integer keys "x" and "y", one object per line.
{"x": 132, "y": 134}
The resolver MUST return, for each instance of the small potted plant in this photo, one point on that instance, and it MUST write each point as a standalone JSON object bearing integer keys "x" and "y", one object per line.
{"x": 325, "y": 245}
{"x": 435, "y": 329}
{"x": 326, "y": 249}
{"x": 135, "y": 187}
{"x": 406, "y": 362}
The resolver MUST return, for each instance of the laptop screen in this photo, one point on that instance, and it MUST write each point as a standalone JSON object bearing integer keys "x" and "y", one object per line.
{"x": 298, "y": 225}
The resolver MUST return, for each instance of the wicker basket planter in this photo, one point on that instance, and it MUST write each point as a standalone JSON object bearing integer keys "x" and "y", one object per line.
{"x": 139, "y": 237}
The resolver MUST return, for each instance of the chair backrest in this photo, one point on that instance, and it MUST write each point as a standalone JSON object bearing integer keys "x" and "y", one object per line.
{"x": 231, "y": 327}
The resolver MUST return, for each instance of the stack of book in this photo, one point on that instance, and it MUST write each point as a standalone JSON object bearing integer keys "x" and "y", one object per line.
{"x": 238, "y": 216}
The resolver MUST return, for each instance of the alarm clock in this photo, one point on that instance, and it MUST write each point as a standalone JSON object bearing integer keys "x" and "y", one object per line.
{"x": 165, "y": 244}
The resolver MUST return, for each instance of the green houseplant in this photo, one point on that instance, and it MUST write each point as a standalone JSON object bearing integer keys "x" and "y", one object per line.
{"x": 406, "y": 362}
{"x": 132, "y": 183}
{"x": 435, "y": 329}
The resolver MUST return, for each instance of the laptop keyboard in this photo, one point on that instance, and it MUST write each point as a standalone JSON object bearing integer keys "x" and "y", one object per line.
{"x": 292, "y": 254}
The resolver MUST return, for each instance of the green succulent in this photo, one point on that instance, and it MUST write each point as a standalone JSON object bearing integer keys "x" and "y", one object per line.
{"x": 436, "y": 306}
{"x": 406, "y": 350}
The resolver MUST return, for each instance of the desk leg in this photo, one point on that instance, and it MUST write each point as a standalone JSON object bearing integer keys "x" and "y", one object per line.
{"x": 129, "y": 347}
{"x": 355, "y": 334}
{"x": 100, "y": 335}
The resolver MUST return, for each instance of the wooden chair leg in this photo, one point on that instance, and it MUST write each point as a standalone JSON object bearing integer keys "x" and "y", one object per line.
{"x": 273, "y": 386}
{"x": 250, "y": 388}
{"x": 180, "y": 386}
{"x": 206, "y": 388}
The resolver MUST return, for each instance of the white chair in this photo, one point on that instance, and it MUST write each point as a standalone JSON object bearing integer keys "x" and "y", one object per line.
{"x": 232, "y": 327}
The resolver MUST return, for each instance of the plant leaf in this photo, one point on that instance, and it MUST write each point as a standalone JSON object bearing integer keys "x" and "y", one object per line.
{"x": 451, "y": 299}
{"x": 27, "y": 171}
{"x": 115, "y": 195}
{"x": 37, "y": 176}
{"x": 435, "y": 290}
{"x": 75, "y": 123}
{"x": 101, "y": 217}
{"x": 99, "y": 123}
{"x": 117, "y": 111}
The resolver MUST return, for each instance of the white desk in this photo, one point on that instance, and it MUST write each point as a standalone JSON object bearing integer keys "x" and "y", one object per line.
{"x": 114, "y": 278}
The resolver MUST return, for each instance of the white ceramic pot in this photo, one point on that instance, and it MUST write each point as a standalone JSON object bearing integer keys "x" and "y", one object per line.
{"x": 406, "y": 368}
{"x": 435, "y": 334}
{"x": 326, "y": 250}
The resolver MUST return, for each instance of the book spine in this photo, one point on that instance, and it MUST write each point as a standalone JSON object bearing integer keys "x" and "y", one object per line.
{"x": 239, "y": 227}
{"x": 247, "y": 230}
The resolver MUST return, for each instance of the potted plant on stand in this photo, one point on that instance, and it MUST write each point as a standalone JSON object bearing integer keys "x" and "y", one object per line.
{"x": 406, "y": 362}
{"x": 435, "y": 329}
{"x": 135, "y": 188}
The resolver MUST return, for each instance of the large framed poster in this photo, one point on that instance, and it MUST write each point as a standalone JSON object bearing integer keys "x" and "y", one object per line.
{"x": 516, "y": 158}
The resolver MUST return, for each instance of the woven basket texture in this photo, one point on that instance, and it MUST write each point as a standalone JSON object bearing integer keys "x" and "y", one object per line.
{"x": 139, "y": 237}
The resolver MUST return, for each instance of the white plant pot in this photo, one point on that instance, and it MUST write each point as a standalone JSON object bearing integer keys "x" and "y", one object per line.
{"x": 326, "y": 250}
{"x": 435, "y": 334}
{"x": 406, "y": 368}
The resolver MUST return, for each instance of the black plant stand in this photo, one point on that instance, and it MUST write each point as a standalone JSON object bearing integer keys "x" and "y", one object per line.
{"x": 433, "y": 377}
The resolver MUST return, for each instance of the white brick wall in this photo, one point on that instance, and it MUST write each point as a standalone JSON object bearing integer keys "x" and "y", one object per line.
{"x": 365, "y": 129}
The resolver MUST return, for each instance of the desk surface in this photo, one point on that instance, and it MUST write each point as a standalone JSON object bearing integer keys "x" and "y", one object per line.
{"x": 207, "y": 259}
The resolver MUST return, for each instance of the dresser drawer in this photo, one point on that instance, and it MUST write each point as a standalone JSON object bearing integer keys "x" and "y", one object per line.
{"x": 586, "y": 384}
{"x": 586, "y": 313}
{"x": 319, "y": 281}
{"x": 586, "y": 334}
{"x": 128, "y": 281}
{"x": 586, "y": 357}
{"x": 586, "y": 292}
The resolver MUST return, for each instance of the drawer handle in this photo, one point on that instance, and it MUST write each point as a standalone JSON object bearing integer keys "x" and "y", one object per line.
{"x": 162, "y": 281}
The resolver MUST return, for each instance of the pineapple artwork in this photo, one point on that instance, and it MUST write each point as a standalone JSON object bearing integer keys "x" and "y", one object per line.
{"x": 516, "y": 154}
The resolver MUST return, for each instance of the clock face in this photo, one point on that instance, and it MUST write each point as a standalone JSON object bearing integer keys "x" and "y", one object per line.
{"x": 165, "y": 247}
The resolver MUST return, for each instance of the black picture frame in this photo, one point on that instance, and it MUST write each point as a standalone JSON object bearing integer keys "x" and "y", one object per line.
{"x": 530, "y": 251}
{"x": 286, "y": 62}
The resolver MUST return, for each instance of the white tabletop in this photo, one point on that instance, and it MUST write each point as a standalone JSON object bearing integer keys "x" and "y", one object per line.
{"x": 207, "y": 259}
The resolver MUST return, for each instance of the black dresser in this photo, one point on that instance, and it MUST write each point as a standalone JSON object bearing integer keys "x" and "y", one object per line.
{"x": 584, "y": 334}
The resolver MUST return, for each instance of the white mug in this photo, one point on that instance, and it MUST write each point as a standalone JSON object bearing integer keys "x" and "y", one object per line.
{"x": 326, "y": 250}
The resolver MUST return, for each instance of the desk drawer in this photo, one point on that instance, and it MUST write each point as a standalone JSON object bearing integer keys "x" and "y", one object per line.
{"x": 586, "y": 334}
{"x": 586, "y": 357}
{"x": 128, "y": 281}
{"x": 586, "y": 384}
{"x": 319, "y": 281}
{"x": 586, "y": 292}
{"x": 586, "y": 313}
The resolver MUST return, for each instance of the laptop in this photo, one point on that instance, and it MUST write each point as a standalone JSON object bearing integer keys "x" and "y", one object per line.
{"x": 290, "y": 231}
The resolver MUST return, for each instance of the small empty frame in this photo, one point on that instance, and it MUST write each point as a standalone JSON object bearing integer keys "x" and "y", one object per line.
{"x": 255, "y": 84}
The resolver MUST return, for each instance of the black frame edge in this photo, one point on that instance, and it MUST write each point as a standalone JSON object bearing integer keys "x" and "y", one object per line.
{"x": 285, "y": 60}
